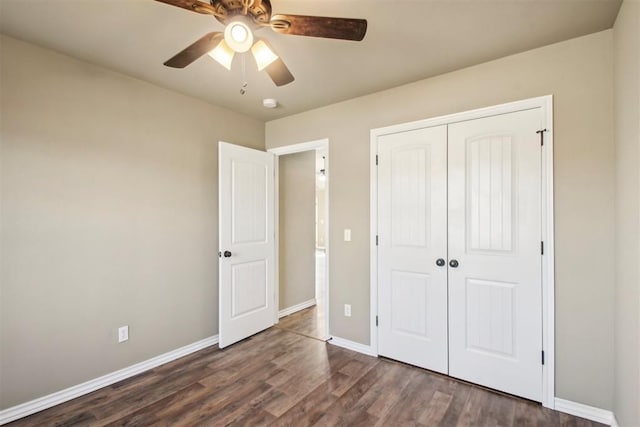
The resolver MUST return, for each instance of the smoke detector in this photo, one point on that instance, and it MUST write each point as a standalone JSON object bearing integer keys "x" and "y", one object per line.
{"x": 270, "y": 103}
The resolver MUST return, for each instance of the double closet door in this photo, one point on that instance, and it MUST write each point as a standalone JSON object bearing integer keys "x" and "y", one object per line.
{"x": 459, "y": 261}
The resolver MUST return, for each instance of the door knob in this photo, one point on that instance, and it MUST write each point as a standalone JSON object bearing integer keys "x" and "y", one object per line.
{"x": 440, "y": 262}
{"x": 453, "y": 263}
{"x": 227, "y": 254}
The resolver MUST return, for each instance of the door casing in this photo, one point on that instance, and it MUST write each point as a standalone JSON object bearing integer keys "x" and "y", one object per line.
{"x": 545, "y": 103}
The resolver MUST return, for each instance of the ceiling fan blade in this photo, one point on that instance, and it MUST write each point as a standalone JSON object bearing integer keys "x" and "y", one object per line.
{"x": 320, "y": 26}
{"x": 279, "y": 72}
{"x": 193, "y": 5}
{"x": 194, "y": 51}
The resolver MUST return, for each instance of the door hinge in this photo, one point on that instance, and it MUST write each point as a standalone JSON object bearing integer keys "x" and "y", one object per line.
{"x": 541, "y": 248}
{"x": 542, "y": 357}
{"x": 376, "y": 320}
{"x": 541, "y": 133}
{"x": 376, "y": 160}
{"x": 377, "y": 240}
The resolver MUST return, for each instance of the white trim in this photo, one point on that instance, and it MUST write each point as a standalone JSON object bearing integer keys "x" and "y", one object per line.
{"x": 352, "y": 345}
{"x": 276, "y": 232}
{"x": 545, "y": 103}
{"x": 319, "y": 144}
{"x": 53, "y": 399}
{"x": 327, "y": 239}
{"x": 585, "y": 411}
{"x": 548, "y": 260}
{"x": 373, "y": 257}
{"x": 327, "y": 221}
{"x": 297, "y": 307}
{"x": 509, "y": 107}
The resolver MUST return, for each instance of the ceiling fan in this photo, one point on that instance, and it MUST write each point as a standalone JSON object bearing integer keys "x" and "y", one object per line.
{"x": 241, "y": 18}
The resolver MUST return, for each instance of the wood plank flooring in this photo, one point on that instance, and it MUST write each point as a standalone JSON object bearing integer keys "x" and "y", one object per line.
{"x": 280, "y": 378}
{"x": 308, "y": 322}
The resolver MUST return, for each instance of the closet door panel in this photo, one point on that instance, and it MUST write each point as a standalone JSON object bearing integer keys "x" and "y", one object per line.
{"x": 494, "y": 221}
{"x": 412, "y": 226}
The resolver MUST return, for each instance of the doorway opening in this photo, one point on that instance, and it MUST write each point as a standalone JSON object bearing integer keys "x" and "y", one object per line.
{"x": 302, "y": 243}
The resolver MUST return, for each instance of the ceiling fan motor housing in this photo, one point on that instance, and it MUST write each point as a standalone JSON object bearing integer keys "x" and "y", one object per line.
{"x": 259, "y": 11}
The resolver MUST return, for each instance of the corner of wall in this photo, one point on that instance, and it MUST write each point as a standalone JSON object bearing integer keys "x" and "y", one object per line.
{"x": 626, "y": 90}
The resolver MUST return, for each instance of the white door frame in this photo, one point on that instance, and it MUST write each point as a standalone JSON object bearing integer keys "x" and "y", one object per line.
{"x": 320, "y": 144}
{"x": 548, "y": 283}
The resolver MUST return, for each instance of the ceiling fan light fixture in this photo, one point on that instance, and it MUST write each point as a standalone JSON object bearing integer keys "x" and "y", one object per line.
{"x": 223, "y": 54}
{"x": 238, "y": 36}
{"x": 263, "y": 54}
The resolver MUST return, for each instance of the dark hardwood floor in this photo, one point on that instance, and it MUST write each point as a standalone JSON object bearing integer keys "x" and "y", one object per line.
{"x": 308, "y": 322}
{"x": 282, "y": 378}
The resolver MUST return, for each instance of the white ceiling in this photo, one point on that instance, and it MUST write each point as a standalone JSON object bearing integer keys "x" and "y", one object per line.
{"x": 407, "y": 40}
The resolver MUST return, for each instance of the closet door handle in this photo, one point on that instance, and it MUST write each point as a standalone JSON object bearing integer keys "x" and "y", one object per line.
{"x": 440, "y": 262}
{"x": 453, "y": 263}
{"x": 227, "y": 254}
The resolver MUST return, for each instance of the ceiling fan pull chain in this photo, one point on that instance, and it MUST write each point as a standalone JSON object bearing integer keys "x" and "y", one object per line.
{"x": 243, "y": 89}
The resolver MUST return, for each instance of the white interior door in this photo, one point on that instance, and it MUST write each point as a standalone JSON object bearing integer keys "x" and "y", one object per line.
{"x": 412, "y": 230}
{"x": 247, "y": 243}
{"x": 495, "y": 293}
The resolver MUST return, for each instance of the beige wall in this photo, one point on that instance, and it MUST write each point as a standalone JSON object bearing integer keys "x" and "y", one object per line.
{"x": 297, "y": 186}
{"x": 109, "y": 218}
{"x": 627, "y": 136}
{"x": 579, "y": 74}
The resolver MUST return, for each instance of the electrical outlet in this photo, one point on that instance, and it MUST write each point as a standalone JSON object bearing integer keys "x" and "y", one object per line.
{"x": 347, "y": 310}
{"x": 347, "y": 234}
{"x": 123, "y": 333}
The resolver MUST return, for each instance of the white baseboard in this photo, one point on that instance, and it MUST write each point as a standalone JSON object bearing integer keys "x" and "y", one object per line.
{"x": 352, "y": 345}
{"x": 297, "y": 307}
{"x": 585, "y": 411}
{"x": 53, "y": 399}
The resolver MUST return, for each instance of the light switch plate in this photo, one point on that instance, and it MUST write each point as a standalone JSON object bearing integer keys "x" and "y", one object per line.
{"x": 347, "y": 234}
{"x": 123, "y": 333}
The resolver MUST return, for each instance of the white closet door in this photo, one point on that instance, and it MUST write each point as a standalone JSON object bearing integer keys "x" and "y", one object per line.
{"x": 495, "y": 308}
{"x": 412, "y": 211}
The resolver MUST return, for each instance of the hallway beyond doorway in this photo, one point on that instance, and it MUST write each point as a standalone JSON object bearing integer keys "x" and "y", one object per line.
{"x": 310, "y": 322}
